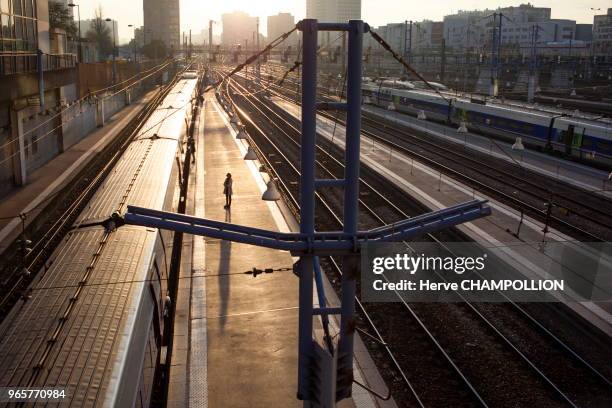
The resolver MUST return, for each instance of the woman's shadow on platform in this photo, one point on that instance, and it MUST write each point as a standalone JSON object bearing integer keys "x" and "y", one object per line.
{"x": 224, "y": 277}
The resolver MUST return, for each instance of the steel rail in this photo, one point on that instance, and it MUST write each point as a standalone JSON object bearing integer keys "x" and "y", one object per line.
{"x": 516, "y": 202}
{"x": 489, "y": 323}
{"x": 533, "y": 320}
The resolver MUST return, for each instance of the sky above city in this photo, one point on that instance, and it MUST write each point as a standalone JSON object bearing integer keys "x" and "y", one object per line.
{"x": 196, "y": 13}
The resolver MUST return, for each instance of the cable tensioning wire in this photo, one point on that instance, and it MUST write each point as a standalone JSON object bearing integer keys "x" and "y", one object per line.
{"x": 255, "y": 272}
{"x": 251, "y": 59}
{"x": 401, "y": 60}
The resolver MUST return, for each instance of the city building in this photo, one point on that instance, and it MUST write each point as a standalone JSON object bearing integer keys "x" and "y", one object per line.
{"x": 602, "y": 34}
{"x": 162, "y": 22}
{"x": 464, "y": 29}
{"x": 239, "y": 28}
{"x": 584, "y": 32}
{"x": 139, "y": 36}
{"x": 25, "y": 100}
{"x": 333, "y": 11}
{"x": 280, "y": 24}
{"x": 395, "y": 34}
{"x": 426, "y": 34}
{"x": 521, "y": 28}
{"x": 409, "y": 37}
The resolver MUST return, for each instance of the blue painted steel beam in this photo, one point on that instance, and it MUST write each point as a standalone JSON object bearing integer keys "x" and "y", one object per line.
{"x": 341, "y": 106}
{"x": 326, "y": 310}
{"x": 310, "y": 33}
{"x": 320, "y": 243}
{"x": 318, "y": 275}
{"x": 329, "y": 183}
{"x": 333, "y": 27}
{"x": 351, "y": 207}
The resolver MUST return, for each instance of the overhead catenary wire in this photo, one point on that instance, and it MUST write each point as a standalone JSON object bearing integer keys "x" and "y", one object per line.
{"x": 84, "y": 99}
{"x": 50, "y": 132}
{"x": 277, "y": 41}
{"x": 269, "y": 85}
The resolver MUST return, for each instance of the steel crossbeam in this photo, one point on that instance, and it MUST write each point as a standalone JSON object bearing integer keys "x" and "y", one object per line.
{"x": 320, "y": 243}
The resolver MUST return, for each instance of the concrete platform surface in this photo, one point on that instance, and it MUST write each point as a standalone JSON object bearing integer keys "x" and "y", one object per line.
{"x": 242, "y": 346}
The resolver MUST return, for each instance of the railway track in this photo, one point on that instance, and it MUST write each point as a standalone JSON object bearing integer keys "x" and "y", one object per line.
{"x": 577, "y": 212}
{"x": 59, "y": 214}
{"x": 377, "y": 209}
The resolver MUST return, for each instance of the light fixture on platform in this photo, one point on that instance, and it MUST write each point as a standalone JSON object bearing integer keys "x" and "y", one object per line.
{"x": 242, "y": 135}
{"x": 250, "y": 154}
{"x": 271, "y": 193}
{"x": 518, "y": 144}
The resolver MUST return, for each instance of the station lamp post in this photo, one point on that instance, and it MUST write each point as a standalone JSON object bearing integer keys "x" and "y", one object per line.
{"x": 114, "y": 52}
{"x": 80, "y": 45}
{"x": 594, "y": 11}
{"x": 134, "y": 44}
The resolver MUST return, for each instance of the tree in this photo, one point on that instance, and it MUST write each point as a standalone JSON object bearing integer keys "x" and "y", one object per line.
{"x": 60, "y": 17}
{"x": 155, "y": 49}
{"x": 100, "y": 34}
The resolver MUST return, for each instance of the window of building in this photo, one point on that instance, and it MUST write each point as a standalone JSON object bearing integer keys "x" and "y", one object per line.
{"x": 19, "y": 31}
{"x": 17, "y": 7}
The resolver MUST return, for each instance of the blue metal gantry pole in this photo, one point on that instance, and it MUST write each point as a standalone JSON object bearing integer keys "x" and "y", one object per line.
{"x": 307, "y": 204}
{"x": 351, "y": 207}
{"x": 314, "y": 385}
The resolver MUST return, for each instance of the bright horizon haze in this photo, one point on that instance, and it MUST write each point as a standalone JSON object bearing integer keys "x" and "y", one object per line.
{"x": 196, "y": 13}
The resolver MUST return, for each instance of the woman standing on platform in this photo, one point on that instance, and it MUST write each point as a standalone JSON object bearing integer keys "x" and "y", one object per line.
{"x": 227, "y": 190}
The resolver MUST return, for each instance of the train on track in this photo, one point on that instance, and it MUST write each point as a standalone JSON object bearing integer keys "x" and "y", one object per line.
{"x": 584, "y": 138}
{"x": 93, "y": 320}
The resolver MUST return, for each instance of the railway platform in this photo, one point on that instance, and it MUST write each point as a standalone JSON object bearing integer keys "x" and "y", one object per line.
{"x": 581, "y": 175}
{"x": 235, "y": 335}
{"x": 519, "y": 239}
{"x": 45, "y": 182}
